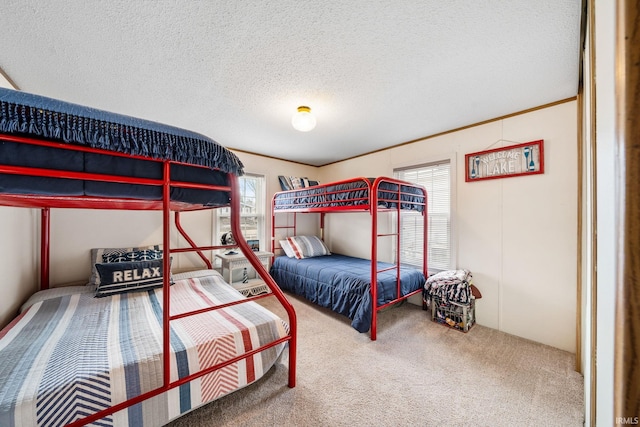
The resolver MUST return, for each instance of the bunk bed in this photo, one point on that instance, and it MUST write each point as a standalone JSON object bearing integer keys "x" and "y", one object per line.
{"x": 337, "y": 281}
{"x": 152, "y": 345}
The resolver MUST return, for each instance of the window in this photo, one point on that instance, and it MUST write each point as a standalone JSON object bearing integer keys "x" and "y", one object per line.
{"x": 436, "y": 178}
{"x": 252, "y": 205}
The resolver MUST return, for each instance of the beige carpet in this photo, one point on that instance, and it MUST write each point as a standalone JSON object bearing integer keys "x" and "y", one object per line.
{"x": 417, "y": 373}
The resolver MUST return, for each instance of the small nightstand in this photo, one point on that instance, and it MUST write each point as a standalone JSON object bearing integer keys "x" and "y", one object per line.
{"x": 239, "y": 261}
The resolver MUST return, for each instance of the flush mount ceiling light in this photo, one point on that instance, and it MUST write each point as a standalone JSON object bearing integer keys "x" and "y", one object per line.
{"x": 303, "y": 120}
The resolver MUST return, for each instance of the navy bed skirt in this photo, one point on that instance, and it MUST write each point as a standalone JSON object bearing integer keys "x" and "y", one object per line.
{"x": 343, "y": 284}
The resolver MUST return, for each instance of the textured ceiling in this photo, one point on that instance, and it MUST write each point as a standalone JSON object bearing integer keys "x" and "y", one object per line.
{"x": 375, "y": 73}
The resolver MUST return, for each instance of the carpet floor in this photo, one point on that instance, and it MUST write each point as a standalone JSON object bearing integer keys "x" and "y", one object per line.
{"x": 417, "y": 373}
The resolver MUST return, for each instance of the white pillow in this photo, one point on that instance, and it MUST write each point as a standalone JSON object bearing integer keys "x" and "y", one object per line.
{"x": 288, "y": 250}
{"x": 308, "y": 246}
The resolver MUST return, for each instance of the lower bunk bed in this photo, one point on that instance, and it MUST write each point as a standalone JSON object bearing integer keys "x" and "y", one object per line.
{"x": 343, "y": 284}
{"x": 69, "y": 354}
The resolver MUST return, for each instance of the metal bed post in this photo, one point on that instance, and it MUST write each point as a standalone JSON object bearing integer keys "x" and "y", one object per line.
{"x": 397, "y": 233}
{"x": 166, "y": 279}
{"x": 425, "y": 247}
{"x": 373, "y": 208}
{"x": 190, "y": 241}
{"x": 45, "y": 236}
{"x": 259, "y": 268}
{"x": 274, "y": 227}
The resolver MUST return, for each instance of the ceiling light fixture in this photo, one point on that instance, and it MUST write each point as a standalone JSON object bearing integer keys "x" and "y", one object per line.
{"x": 303, "y": 120}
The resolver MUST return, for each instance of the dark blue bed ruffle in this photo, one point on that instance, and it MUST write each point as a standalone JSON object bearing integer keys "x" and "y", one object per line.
{"x": 27, "y": 114}
{"x": 353, "y": 193}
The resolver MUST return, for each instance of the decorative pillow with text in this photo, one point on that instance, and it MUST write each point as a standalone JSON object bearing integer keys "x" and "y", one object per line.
{"x": 104, "y": 255}
{"x": 120, "y": 277}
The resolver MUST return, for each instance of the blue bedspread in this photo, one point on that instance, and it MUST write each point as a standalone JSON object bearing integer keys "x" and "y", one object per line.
{"x": 352, "y": 193}
{"x": 342, "y": 283}
{"x": 38, "y": 116}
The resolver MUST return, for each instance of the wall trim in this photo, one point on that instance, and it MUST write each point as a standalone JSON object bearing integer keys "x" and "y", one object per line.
{"x": 626, "y": 385}
{"x": 8, "y": 79}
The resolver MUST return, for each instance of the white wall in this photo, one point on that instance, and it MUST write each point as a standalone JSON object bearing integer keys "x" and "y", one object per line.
{"x": 4, "y": 82}
{"x": 271, "y": 168}
{"x": 18, "y": 252}
{"x": 518, "y": 236}
{"x": 19, "y": 256}
{"x": 75, "y": 231}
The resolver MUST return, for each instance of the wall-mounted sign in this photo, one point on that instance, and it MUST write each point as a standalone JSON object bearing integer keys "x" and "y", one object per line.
{"x": 515, "y": 160}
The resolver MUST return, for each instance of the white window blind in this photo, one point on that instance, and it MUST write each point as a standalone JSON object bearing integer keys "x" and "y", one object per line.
{"x": 435, "y": 177}
{"x": 252, "y": 209}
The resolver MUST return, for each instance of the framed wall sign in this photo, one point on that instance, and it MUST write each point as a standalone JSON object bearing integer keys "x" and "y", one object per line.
{"x": 505, "y": 162}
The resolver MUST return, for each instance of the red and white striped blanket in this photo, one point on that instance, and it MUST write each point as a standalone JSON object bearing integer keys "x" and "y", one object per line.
{"x": 68, "y": 356}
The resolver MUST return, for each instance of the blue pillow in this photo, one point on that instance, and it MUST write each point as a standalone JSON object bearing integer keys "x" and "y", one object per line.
{"x": 134, "y": 255}
{"x": 121, "y": 277}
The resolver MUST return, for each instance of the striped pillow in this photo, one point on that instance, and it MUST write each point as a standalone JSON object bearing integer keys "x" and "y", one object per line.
{"x": 120, "y": 277}
{"x": 308, "y": 246}
{"x": 288, "y": 250}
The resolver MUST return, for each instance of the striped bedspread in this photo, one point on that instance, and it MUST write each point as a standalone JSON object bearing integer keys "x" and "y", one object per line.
{"x": 73, "y": 355}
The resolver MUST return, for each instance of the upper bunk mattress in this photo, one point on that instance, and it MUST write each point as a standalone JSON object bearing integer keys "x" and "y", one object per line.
{"x": 199, "y": 158}
{"x": 350, "y": 194}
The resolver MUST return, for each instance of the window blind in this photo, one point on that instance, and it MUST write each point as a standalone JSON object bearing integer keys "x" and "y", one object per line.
{"x": 436, "y": 178}
{"x": 252, "y": 209}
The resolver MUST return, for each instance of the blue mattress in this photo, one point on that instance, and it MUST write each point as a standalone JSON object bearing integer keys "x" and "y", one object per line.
{"x": 354, "y": 193}
{"x": 342, "y": 284}
{"x": 33, "y": 116}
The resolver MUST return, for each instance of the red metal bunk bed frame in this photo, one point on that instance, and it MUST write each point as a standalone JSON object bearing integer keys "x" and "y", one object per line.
{"x": 370, "y": 202}
{"x": 45, "y": 203}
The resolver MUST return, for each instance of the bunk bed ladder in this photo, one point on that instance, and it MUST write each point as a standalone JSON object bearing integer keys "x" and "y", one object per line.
{"x": 374, "y": 203}
{"x": 374, "y": 208}
{"x": 288, "y": 227}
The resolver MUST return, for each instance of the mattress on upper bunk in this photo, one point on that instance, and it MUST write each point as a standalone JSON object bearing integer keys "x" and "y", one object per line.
{"x": 342, "y": 283}
{"x": 27, "y": 155}
{"x": 74, "y": 354}
{"x": 350, "y": 193}
{"x": 33, "y": 116}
